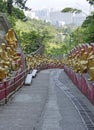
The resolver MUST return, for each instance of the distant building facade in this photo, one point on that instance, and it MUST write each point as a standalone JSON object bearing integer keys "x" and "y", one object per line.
{"x": 57, "y": 18}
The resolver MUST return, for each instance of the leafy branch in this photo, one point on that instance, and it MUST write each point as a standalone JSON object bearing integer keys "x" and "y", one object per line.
{"x": 71, "y": 10}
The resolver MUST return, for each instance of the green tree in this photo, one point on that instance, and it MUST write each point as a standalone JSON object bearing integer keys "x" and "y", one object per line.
{"x": 9, "y": 6}
{"x": 88, "y": 26}
{"x": 29, "y": 41}
{"x": 72, "y": 10}
{"x": 19, "y": 14}
{"x": 90, "y": 32}
{"x": 19, "y": 3}
{"x": 88, "y": 20}
{"x": 3, "y": 7}
{"x": 91, "y": 2}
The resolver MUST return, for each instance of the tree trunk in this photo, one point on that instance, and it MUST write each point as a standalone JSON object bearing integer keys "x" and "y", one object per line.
{"x": 9, "y": 6}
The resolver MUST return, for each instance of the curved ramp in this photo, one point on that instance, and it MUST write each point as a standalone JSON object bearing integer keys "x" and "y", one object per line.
{"x": 47, "y": 105}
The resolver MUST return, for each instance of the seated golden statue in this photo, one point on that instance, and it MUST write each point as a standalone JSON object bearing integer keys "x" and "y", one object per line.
{"x": 90, "y": 51}
{"x": 2, "y": 74}
{"x": 11, "y": 38}
{"x": 14, "y": 54}
{"x": 14, "y": 63}
{"x": 31, "y": 61}
{"x": 72, "y": 60}
{"x": 83, "y": 61}
{"x": 9, "y": 60}
{"x": 28, "y": 62}
{"x": 3, "y": 55}
{"x": 91, "y": 67}
{"x": 76, "y": 66}
{"x": 4, "y": 70}
{"x": 67, "y": 60}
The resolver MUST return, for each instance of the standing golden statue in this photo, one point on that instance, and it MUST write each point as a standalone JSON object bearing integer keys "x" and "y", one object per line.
{"x": 4, "y": 56}
{"x": 11, "y": 38}
{"x": 5, "y": 63}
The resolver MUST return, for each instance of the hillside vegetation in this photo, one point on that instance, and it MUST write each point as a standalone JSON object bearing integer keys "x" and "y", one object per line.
{"x": 34, "y": 33}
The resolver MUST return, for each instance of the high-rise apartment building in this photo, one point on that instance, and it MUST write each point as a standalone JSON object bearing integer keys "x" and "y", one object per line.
{"x": 57, "y": 18}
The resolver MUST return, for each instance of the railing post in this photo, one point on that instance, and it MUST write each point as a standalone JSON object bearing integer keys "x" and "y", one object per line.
{"x": 5, "y": 85}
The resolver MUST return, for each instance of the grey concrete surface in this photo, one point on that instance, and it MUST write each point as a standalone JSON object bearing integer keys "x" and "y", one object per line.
{"x": 24, "y": 109}
{"x": 51, "y": 116}
{"x": 59, "y": 112}
{"x": 44, "y": 105}
{"x": 76, "y": 92}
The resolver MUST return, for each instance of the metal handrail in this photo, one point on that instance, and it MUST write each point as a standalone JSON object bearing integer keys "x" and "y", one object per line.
{"x": 7, "y": 88}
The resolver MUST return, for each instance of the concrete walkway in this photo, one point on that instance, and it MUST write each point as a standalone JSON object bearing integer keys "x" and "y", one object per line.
{"x": 24, "y": 109}
{"x": 59, "y": 112}
{"x": 45, "y": 105}
{"x": 51, "y": 114}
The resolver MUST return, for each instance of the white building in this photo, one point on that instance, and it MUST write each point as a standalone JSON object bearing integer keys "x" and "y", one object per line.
{"x": 57, "y": 17}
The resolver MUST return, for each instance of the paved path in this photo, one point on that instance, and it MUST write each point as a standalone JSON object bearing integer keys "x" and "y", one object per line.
{"x": 51, "y": 115}
{"x": 24, "y": 110}
{"x": 59, "y": 112}
{"x": 50, "y": 103}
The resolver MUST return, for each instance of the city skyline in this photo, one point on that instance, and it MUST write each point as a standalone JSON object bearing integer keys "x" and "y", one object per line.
{"x": 59, "y": 4}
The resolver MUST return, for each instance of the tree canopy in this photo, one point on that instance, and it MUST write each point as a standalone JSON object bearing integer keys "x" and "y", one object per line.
{"x": 91, "y": 2}
{"x": 20, "y": 3}
{"x": 71, "y": 10}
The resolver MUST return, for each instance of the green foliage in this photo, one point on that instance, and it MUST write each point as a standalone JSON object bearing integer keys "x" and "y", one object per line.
{"x": 34, "y": 33}
{"x": 90, "y": 28}
{"x": 19, "y": 14}
{"x": 12, "y": 20}
{"x": 88, "y": 20}
{"x": 72, "y": 10}
{"x": 9, "y": 6}
{"x": 81, "y": 35}
{"x": 30, "y": 41}
{"x": 3, "y": 7}
{"x": 91, "y": 2}
{"x": 65, "y": 49}
{"x": 19, "y": 3}
{"x": 16, "y": 14}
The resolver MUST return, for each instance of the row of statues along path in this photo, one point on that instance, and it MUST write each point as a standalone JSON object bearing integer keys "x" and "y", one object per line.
{"x": 80, "y": 59}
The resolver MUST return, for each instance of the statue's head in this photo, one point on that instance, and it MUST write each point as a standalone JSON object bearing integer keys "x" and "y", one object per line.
{"x": 90, "y": 48}
{"x": 3, "y": 46}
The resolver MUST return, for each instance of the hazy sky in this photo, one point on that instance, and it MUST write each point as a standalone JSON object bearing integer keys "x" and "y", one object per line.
{"x": 39, "y": 4}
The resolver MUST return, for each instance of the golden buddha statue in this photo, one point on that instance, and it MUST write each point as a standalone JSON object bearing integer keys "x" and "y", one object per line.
{"x": 4, "y": 70}
{"x": 2, "y": 74}
{"x": 31, "y": 62}
{"x": 14, "y": 55}
{"x": 3, "y": 55}
{"x": 83, "y": 61}
{"x": 72, "y": 62}
{"x": 69, "y": 61}
{"x": 28, "y": 62}
{"x": 11, "y": 38}
{"x": 14, "y": 64}
{"x": 90, "y": 51}
{"x": 76, "y": 66}
{"x": 91, "y": 67}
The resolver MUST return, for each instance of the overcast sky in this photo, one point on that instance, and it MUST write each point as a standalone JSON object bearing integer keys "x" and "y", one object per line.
{"x": 58, "y": 4}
